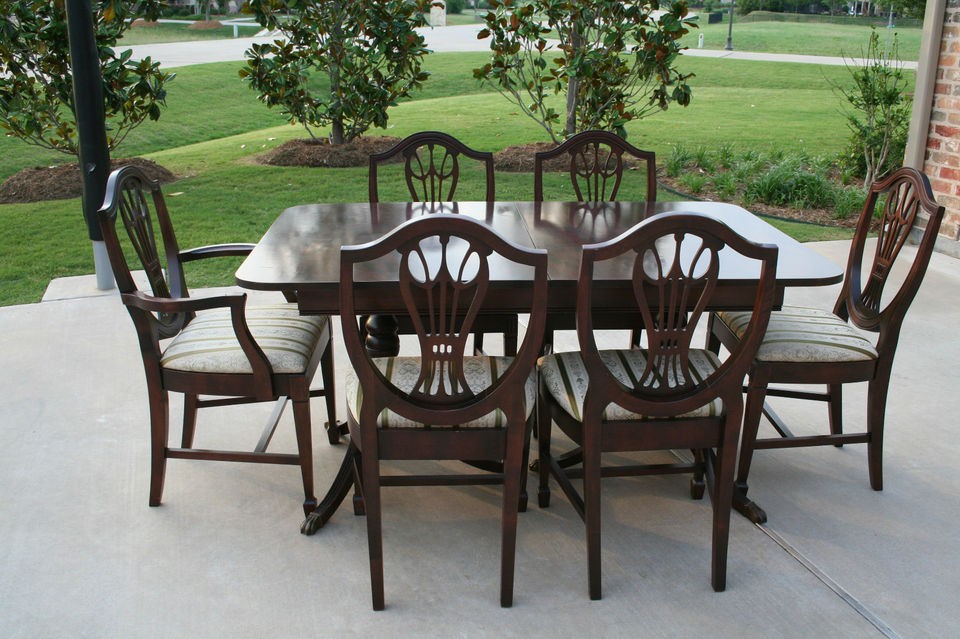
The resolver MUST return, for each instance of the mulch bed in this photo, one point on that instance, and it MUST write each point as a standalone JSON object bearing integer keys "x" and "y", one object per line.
{"x": 59, "y": 182}
{"x": 320, "y": 153}
{"x": 42, "y": 183}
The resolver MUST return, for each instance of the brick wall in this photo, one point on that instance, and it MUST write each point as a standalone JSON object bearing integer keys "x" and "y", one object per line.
{"x": 942, "y": 161}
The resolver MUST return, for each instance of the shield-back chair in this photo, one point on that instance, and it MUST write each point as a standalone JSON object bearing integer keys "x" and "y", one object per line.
{"x": 215, "y": 350}
{"x": 441, "y": 404}
{"x": 665, "y": 395}
{"x": 814, "y": 346}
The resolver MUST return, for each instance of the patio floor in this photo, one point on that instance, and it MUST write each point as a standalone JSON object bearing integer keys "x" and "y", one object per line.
{"x": 83, "y": 554}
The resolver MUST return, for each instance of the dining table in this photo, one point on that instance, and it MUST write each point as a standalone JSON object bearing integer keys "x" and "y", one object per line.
{"x": 299, "y": 255}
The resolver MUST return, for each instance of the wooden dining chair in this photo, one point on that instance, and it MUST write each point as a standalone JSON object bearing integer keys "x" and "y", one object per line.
{"x": 431, "y": 170}
{"x": 814, "y": 346}
{"x": 666, "y": 395}
{"x": 442, "y": 404}
{"x": 215, "y": 350}
{"x": 431, "y": 166}
{"x": 596, "y": 161}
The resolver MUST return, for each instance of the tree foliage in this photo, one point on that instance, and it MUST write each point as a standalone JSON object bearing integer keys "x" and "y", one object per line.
{"x": 36, "y": 79}
{"x": 368, "y": 53}
{"x": 880, "y": 111}
{"x": 615, "y": 61}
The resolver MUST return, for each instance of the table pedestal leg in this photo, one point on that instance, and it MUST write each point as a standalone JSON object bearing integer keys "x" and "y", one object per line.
{"x": 335, "y": 495}
{"x": 382, "y": 339}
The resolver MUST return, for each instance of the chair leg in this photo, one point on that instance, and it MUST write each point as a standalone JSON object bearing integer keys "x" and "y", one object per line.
{"x": 189, "y": 420}
{"x": 876, "y": 413}
{"x": 478, "y": 344}
{"x": 330, "y": 396}
{"x": 513, "y": 469}
{"x": 510, "y": 340}
{"x": 371, "y": 499}
{"x": 713, "y": 340}
{"x": 697, "y": 483}
{"x": 301, "y": 422}
{"x": 753, "y": 413}
{"x": 159, "y": 427}
{"x": 723, "y": 503}
{"x": 591, "y": 499}
{"x": 544, "y": 428}
{"x": 524, "y": 465}
{"x": 835, "y": 391}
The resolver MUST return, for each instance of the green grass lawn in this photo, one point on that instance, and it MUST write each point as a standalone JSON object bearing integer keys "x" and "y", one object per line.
{"x": 224, "y": 195}
{"x": 807, "y": 38}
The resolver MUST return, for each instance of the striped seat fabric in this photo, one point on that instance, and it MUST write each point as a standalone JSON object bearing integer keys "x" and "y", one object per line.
{"x": 565, "y": 378}
{"x": 802, "y": 334}
{"x": 403, "y": 372}
{"x": 209, "y": 345}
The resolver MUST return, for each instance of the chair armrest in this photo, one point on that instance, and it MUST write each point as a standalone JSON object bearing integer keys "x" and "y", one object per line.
{"x": 215, "y": 250}
{"x": 236, "y": 302}
{"x": 143, "y": 301}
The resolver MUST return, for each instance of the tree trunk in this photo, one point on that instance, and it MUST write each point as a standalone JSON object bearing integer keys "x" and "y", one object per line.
{"x": 573, "y": 84}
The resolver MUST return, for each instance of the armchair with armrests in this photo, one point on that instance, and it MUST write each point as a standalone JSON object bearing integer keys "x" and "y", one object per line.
{"x": 814, "y": 346}
{"x": 215, "y": 350}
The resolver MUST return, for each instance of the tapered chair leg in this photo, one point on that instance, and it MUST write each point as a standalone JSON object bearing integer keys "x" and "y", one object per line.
{"x": 876, "y": 411}
{"x": 722, "y": 505}
{"x": 544, "y": 428}
{"x": 512, "y": 470}
{"x": 371, "y": 502}
{"x": 301, "y": 421}
{"x": 753, "y": 413}
{"x": 159, "y": 428}
{"x": 835, "y": 392}
{"x": 330, "y": 396}
{"x": 189, "y": 420}
{"x": 591, "y": 500}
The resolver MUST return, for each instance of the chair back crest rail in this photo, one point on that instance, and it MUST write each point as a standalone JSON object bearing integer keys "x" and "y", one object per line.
{"x": 444, "y": 263}
{"x": 676, "y": 262}
{"x": 431, "y": 166}
{"x": 907, "y": 194}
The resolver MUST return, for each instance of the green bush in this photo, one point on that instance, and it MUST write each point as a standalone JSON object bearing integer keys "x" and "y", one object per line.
{"x": 693, "y": 182}
{"x": 455, "y": 6}
{"x": 791, "y": 183}
{"x": 848, "y": 202}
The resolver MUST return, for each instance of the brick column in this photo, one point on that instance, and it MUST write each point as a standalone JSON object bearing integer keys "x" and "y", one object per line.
{"x": 942, "y": 160}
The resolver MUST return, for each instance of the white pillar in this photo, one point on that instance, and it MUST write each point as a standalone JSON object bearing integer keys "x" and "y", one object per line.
{"x": 101, "y": 264}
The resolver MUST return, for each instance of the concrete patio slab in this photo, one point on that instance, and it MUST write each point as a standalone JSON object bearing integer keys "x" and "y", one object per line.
{"x": 83, "y": 555}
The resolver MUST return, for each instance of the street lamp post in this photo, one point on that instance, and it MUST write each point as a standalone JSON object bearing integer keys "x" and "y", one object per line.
{"x": 729, "y": 46}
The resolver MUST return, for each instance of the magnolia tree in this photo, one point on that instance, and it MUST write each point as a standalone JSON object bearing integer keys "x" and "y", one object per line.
{"x": 367, "y": 54}
{"x": 36, "y": 80}
{"x": 614, "y": 61}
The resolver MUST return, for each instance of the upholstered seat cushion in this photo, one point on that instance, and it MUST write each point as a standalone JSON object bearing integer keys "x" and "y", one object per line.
{"x": 565, "y": 378}
{"x": 209, "y": 345}
{"x": 801, "y": 334}
{"x": 403, "y": 372}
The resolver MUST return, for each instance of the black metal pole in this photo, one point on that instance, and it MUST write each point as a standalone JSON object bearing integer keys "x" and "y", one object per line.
{"x": 729, "y": 46}
{"x": 91, "y": 125}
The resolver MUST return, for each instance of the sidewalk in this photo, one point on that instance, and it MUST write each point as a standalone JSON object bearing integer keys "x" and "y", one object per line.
{"x": 84, "y": 556}
{"x": 453, "y": 38}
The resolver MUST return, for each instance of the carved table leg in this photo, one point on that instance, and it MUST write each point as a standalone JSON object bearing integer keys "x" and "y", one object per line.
{"x": 382, "y": 339}
{"x": 335, "y": 495}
